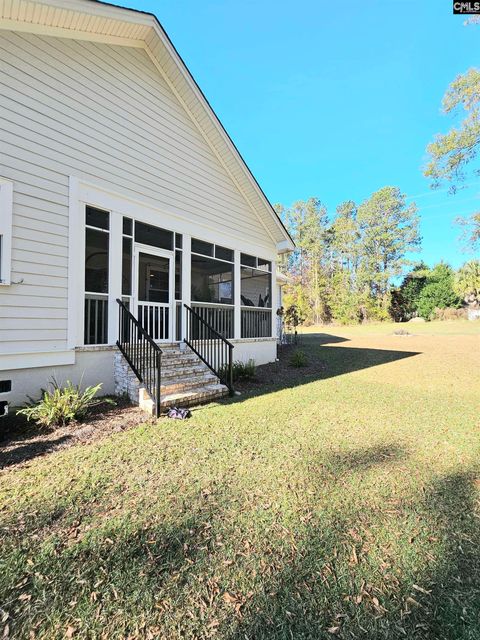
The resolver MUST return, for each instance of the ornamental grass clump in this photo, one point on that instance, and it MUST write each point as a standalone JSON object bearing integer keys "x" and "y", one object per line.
{"x": 240, "y": 370}
{"x": 60, "y": 405}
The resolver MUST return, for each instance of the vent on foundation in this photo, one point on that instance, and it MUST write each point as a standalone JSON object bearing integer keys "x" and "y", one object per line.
{"x": 5, "y": 386}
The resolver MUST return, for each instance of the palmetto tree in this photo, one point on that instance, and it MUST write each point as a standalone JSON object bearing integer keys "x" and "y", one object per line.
{"x": 467, "y": 282}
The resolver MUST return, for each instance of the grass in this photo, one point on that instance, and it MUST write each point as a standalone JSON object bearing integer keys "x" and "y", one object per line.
{"x": 346, "y": 506}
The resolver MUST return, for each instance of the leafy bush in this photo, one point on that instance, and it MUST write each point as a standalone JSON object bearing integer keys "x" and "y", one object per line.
{"x": 438, "y": 292}
{"x": 298, "y": 359}
{"x": 240, "y": 370}
{"x": 60, "y": 405}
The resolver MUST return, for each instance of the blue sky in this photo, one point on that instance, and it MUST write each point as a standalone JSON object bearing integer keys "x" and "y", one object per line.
{"x": 332, "y": 99}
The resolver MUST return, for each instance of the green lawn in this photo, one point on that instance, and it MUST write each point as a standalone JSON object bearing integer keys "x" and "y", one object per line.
{"x": 346, "y": 506}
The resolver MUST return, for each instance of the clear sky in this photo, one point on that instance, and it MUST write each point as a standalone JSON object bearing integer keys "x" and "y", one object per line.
{"x": 332, "y": 99}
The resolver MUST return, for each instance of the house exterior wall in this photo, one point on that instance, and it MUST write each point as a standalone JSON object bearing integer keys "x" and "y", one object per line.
{"x": 105, "y": 115}
{"x": 90, "y": 368}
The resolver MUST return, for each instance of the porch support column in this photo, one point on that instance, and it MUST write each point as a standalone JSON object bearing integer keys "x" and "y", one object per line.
{"x": 115, "y": 275}
{"x": 237, "y": 301}
{"x": 186, "y": 280}
{"x": 274, "y": 296}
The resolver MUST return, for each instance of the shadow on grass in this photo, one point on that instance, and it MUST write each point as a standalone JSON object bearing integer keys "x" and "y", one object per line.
{"x": 323, "y": 361}
{"x": 25, "y": 452}
{"x": 336, "y": 584}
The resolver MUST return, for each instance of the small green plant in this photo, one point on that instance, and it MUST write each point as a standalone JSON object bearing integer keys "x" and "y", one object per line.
{"x": 60, "y": 405}
{"x": 298, "y": 359}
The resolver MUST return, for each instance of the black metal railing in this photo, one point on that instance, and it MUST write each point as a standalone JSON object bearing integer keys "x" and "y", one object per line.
{"x": 220, "y": 318}
{"x": 210, "y": 346}
{"x": 141, "y": 352}
{"x": 256, "y": 323}
{"x": 96, "y": 319}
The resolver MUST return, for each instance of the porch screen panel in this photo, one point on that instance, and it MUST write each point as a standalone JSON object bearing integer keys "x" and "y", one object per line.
{"x": 256, "y": 288}
{"x": 256, "y": 297}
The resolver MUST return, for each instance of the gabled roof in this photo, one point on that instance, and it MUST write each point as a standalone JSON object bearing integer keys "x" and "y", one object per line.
{"x": 99, "y": 21}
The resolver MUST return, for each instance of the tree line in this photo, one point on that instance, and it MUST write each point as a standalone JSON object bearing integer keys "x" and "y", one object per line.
{"x": 345, "y": 267}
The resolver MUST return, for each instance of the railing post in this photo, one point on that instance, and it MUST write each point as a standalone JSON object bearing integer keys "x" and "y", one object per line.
{"x": 230, "y": 368}
{"x": 158, "y": 381}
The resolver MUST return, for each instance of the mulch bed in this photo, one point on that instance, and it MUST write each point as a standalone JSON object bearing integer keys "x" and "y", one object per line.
{"x": 281, "y": 373}
{"x": 22, "y": 441}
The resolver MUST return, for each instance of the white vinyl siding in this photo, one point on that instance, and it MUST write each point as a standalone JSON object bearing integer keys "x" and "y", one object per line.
{"x": 105, "y": 114}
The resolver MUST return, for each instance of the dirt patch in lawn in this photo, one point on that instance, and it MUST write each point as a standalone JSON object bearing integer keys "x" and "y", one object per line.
{"x": 22, "y": 441}
{"x": 281, "y": 373}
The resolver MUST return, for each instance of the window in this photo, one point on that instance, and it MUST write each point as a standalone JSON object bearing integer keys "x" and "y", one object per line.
{"x": 249, "y": 261}
{"x": 96, "y": 261}
{"x": 212, "y": 280}
{"x": 6, "y": 205}
{"x": 153, "y": 236}
{"x": 199, "y": 246}
{"x": 97, "y": 218}
{"x": 97, "y": 241}
{"x": 127, "y": 226}
{"x": 223, "y": 254}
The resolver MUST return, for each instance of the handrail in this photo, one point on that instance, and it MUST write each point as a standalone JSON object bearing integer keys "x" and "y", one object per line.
{"x": 210, "y": 346}
{"x": 141, "y": 352}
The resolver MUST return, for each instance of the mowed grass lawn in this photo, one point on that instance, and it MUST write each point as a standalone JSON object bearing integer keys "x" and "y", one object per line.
{"x": 346, "y": 506}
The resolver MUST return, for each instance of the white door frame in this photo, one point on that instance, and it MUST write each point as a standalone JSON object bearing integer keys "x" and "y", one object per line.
{"x": 162, "y": 253}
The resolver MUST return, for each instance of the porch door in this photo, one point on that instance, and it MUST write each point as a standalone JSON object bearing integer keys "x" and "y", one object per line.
{"x": 154, "y": 292}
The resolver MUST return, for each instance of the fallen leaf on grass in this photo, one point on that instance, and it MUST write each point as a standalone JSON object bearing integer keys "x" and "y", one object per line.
{"x": 417, "y": 588}
{"x": 413, "y": 601}
{"x": 229, "y": 598}
{"x": 334, "y": 630}
{"x": 69, "y": 633}
{"x": 25, "y": 596}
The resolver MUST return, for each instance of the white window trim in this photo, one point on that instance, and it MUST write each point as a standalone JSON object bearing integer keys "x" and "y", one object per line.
{"x": 6, "y": 222}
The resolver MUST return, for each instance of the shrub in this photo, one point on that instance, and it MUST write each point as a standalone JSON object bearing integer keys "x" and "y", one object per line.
{"x": 60, "y": 405}
{"x": 240, "y": 370}
{"x": 298, "y": 359}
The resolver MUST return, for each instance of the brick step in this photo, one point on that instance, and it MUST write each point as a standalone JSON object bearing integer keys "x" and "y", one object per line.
{"x": 183, "y": 384}
{"x": 178, "y": 357}
{"x": 179, "y": 372}
{"x": 194, "y": 396}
